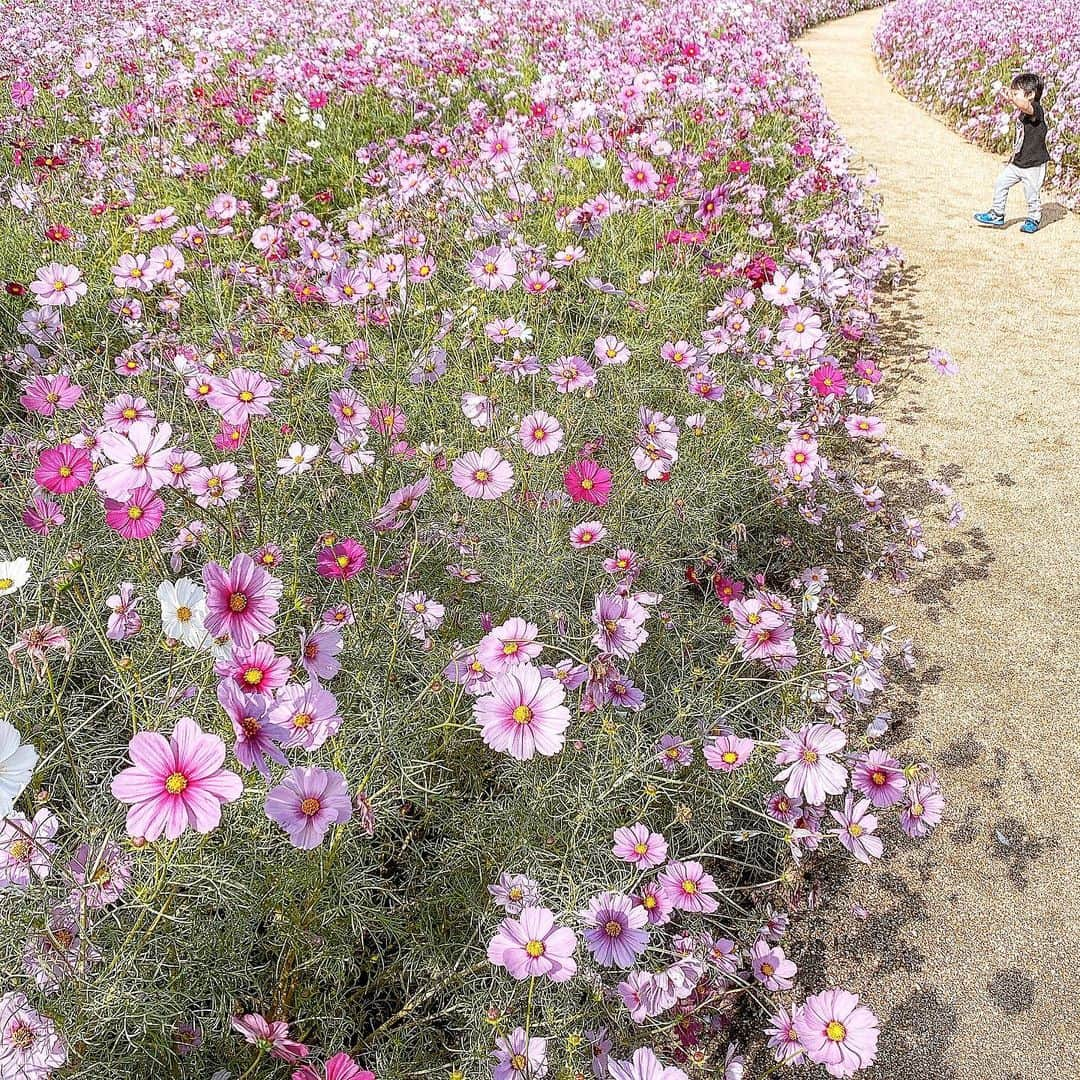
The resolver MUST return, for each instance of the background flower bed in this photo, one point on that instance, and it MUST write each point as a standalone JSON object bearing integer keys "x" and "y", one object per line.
{"x": 185, "y": 191}
{"x": 958, "y": 58}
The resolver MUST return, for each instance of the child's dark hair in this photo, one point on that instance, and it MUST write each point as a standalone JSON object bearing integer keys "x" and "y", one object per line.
{"x": 1030, "y": 83}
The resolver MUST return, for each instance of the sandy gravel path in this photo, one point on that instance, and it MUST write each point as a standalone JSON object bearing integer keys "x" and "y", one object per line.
{"x": 970, "y": 952}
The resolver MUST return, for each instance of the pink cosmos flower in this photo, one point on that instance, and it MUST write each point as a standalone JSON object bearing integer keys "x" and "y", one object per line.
{"x": 922, "y": 809}
{"x": 587, "y": 533}
{"x": 540, "y": 433}
{"x": 30, "y": 1045}
{"x": 771, "y": 967}
{"x": 784, "y": 1037}
{"x": 727, "y": 753}
{"x": 493, "y": 268}
{"x": 483, "y": 475}
{"x": 942, "y": 362}
{"x": 523, "y": 713}
{"x": 308, "y": 712}
{"x": 100, "y": 874}
{"x": 63, "y": 469}
{"x": 687, "y": 886}
{"x": 652, "y": 899}
{"x": 808, "y": 769}
{"x": 637, "y": 845}
{"x": 864, "y": 427}
{"x": 141, "y": 459}
{"x": 339, "y": 1067}
{"x": 269, "y": 1036}
{"x": 26, "y": 848}
{"x": 241, "y": 395}
{"x": 58, "y": 285}
{"x": 42, "y": 516}
{"x": 586, "y": 481}
{"x": 532, "y": 945}
{"x": 319, "y": 651}
{"x": 800, "y": 458}
{"x": 342, "y": 560}
{"x": 307, "y": 802}
{"x": 241, "y": 601}
{"x": 800, "y": 328}
{"x": 879, "y": 777}
{"x": 514, "y": 642}
{"x": 827, "y": 379}
{"x": 837, "y": 1032}
{"x": 519, "y": 1056}
{"x": 132, "y": 272}
{"x": 175, "y": 784}
{"x": 614, "y": 930}
{"x": 255, "y": 668}
{"x": 644, "y": 1065}
{"x": 138, "y": 516}
{"x": 257, "y": 735}
{"x": 46, "y": 393}
{"x": 856, "y": 826}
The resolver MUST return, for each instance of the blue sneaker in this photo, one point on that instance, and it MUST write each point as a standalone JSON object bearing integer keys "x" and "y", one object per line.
{"x": 991, "y": 220}
{"x": 1030, "y": 226}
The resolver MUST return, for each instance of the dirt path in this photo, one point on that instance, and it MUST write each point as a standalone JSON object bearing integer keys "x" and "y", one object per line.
{"x": 970, "y": 952}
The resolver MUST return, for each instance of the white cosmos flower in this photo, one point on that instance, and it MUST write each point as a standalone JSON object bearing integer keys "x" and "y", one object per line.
{"x": 13, "y": 576}
{"x": 183, "y": 612}
{"x": 300, "y": 457}
{"x": 17, "y": 761}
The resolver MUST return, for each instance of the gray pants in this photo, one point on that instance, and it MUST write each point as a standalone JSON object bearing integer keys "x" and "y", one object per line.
{"x": 1032, "y": 179}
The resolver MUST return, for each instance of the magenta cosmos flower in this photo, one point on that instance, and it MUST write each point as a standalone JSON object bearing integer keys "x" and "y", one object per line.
{"x": 614, "y": 930}
{"x": 837, "y": 1032}
{"x": 808, "y": 769}
{"x": 880, "y": 778}
{"x": 638, "y": 845}
{"x": 63, "y": 469}
{"x": 240, "y": 601}
{"x": 138, "y": 516}
{"x": 307, "y": 802}
{"x": 342, "y": 560}
{"x": 534, "y": 945}
{"x": 687, "y": 886}
{"x": 483, "y": 475}
{"x": 523, "y": 714}
{"x": 269, "y": 1036}
{"x": 175, "y": 784}
{"x": 588, "y": 482}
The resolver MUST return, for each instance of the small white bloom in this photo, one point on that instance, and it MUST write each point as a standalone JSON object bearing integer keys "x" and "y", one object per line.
{"x": 17, "y": 761}
{"x": 301, "y": 455}
{"x": 183, "y": 612}
{"x": 13, "y": 576}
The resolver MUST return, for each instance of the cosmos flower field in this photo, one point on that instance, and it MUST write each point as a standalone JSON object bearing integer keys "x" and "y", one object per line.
{"x": 440, "y": 449}
{"x": 959, "y": 58}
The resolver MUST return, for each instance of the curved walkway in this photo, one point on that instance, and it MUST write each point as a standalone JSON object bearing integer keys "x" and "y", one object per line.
{"x": 970, "y": 948}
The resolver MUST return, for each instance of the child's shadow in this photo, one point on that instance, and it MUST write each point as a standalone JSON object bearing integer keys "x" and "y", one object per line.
{"x": 1051, "y": 213}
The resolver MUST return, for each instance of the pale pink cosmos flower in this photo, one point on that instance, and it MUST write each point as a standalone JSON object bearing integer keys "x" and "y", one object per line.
{"x": 726, "y": 753}
{"x": 541, "y": 433}
{"x": 587, "y": 533}
{"x": 30, "y": 1045}
{"x": 644, "y": 1065}
{"x": 808, "y": 769}
{"x": 514, "y": 642}
{"x": 44, "y": 394}
{"x": 784, "y": 1037}
{"x": 638, "y": 845}
{"x": 864, "y": 427}
{"x": 838, "y": 1032}
{"x": 241, "y": 395}
{"x": 856, "y": 826}
{"x": 58, "y": 285}
{"x": 493, "y": 268}
{"x": 26, "y": 848}
{"x": 800, "y": 328}
{"x": 523, "y": 713}
{"x": 923, "y": 808}
{"x": 533, "y": 946}
{"x": 307, "y": 803}
{"x": 175, "y": 784}
{"x": 771, "y": 967}
{"x": 483, "y": 475}
{"x": 132, "y": 272}
{"x": 688, "y": 887}
{"x": 141, "y": 459}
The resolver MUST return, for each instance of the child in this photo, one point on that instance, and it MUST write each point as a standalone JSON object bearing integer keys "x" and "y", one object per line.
{"x": 1027, "y": 166}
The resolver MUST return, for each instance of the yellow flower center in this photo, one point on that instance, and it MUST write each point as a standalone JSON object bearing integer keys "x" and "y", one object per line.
{"x": 129, "y": 413}
{"x": 303, "y": 720}
{"x": 20, "y": 849}
{"x": 586, "y": 484}
{"x": 518, "y": 1062}
{"x": 65, "y": 470}
{"x": 310, "y": 807}
{"x": 22, "y": 1035}
{"x": 689, "y": 887}
{"x": 534, "y": 948}
{"x": 855, "y": 829}
{"x": 640, "y": 848}
{"x": 175, "y": 783}
{"x": 510, "y": 648}
{"x": 135, "y": 512}
{"x": 238, "y": 601}
{"x": 482, "y": 475}
{"x": 612, "y": 928}
{"x": 183, "y": 613}
{"x": 246, "y": 395}
{"x": 729, "y": 757}
{"x": 6, "y": 582}
{"x": 522, "y": 714}
{"x": 836, "y": 1031}
{"x": 253, "y": 676}
{"x": 767, "y": 968}
{"x": 810, "y": 756}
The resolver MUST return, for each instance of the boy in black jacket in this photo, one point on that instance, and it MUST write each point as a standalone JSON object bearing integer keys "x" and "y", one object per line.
{"x": 1027, "y": 166}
